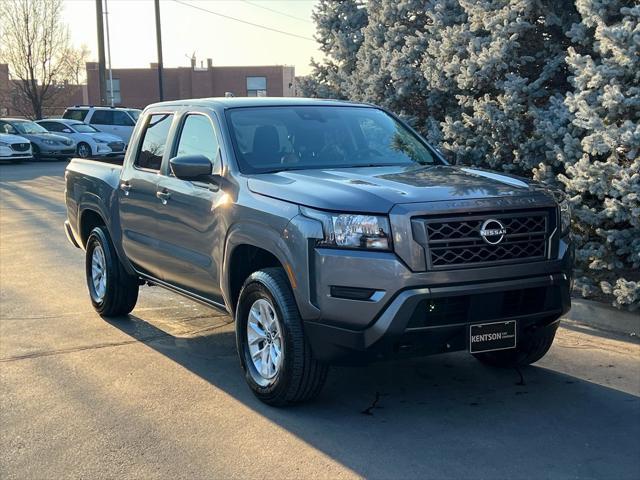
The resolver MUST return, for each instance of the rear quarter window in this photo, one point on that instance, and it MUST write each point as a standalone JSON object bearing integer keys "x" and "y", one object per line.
{"x": 75, "y": 114}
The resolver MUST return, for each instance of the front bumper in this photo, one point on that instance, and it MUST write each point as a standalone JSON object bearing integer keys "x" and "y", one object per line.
{"x": 366, "y": 305}
{"x": 66, "y": 152}
{"x": 430, "y": 320}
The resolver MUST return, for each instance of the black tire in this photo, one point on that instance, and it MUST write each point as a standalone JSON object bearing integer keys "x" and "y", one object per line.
{"x": 84, "y": 150}
{"x": 121, "y": 292}
{"x": 300, "y": 377}
{"x": 35, "y": 152}
{"x": 530, "y": 349}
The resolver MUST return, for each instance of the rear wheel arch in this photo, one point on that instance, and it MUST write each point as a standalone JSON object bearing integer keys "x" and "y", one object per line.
{"x": 89, "y": 219}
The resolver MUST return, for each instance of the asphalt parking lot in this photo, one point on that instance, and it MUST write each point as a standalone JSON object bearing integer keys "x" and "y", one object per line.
{"x": 159, "y": 394}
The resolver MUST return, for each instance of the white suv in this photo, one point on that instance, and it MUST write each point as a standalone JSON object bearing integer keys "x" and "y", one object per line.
{"x": 114, "y": 120}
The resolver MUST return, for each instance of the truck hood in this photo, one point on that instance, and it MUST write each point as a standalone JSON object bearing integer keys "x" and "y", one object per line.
{"x": 378, "y": 189}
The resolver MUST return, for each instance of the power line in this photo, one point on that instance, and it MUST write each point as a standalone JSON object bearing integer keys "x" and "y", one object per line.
{"x": 228, "y": 17}
{"x": 277, "y": 11}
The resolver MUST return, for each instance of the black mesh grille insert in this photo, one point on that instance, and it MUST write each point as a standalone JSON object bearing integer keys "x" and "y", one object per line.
{"x": 20, "y": 147}
{"x": 484, "y": 307}
{"x": 456, "y": 241}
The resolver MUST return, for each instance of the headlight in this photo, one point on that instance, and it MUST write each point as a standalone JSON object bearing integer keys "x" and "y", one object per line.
{"x": 49, "y": 142}
{"x": 100, "y": 141}
{"x": 565, "y": 216}
{"x": 345, "y": 230}
{"x": 4, "y": 144}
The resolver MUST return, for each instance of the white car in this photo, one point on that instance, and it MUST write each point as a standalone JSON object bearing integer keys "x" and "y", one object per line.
{"x": 91, "y": 142}
{"x": 14, "y": 148}
{"x": 114, "y": 120}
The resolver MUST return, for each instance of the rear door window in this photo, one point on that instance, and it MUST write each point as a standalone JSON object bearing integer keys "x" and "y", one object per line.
{"x": 154, "y": 140}
{"x": 102, "y": 117}
{"x": 53, "y": 126}
{"x": 75, "y": 114}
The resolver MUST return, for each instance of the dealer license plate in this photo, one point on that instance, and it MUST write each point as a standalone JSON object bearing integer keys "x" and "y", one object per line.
{"x": 487, "y": 337}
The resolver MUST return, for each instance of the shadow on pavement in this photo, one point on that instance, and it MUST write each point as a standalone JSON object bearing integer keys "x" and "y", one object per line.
{"x": 410, "y": 418}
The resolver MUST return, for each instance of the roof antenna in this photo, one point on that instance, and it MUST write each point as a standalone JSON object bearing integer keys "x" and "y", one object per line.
{"x": 229, "y": 94}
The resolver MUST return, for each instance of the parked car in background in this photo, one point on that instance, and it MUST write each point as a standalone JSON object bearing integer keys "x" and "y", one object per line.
{"x": 14, "y": 148}
{"x": 90, "y": 141}
{"x": 43, "y": 143}
{"x": 114, "y": 120}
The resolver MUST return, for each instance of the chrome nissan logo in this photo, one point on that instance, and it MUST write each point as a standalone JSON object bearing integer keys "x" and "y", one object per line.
{"x": 492, "y": 231}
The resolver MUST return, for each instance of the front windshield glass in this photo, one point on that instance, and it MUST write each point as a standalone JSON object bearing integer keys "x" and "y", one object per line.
{"x": 268, "y": 139}
{"x": 28, "y": 128}
{"x": 83, "y": 128}
{"x": 135, "y": 114}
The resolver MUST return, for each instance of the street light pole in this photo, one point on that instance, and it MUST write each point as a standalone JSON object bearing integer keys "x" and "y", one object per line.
{"x": 159, "y": 42}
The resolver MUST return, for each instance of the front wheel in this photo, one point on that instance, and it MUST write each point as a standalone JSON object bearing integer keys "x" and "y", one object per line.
{"x": 113, "y": 291}
{"x": 36, "y": 152}
{"x": 531, "y": 348}
{"x": 84, "y": 150}
{"x": 274, "y": 353}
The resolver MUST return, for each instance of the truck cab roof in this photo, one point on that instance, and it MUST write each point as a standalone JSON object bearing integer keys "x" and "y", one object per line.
{"x": 248, "y": 102}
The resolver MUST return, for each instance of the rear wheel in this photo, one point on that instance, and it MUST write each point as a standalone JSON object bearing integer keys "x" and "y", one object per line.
{"x": 530, "y": 349}
{"x": 113, "y": 291}
{"x": 275, "y": 355}
{"x": 84, "y": 150}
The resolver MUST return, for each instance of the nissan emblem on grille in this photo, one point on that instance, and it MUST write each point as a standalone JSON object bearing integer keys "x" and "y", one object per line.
{"x": 492, "y": 231}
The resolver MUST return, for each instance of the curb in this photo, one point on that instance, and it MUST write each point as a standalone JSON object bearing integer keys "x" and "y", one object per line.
{"x": 603, "y": 317}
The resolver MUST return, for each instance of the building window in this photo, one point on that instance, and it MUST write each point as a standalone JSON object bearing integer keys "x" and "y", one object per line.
{"x": 116, "y": 91}
{"x": 256, "y": 86}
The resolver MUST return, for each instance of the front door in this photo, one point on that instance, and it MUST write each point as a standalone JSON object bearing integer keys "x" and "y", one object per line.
{"x": 189, "y": 225}
{"x": 138, "y": 195}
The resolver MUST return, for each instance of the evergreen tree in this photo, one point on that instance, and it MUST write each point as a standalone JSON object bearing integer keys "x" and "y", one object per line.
{"x": 602, "y": 147}
{"x": 339, "y": 27}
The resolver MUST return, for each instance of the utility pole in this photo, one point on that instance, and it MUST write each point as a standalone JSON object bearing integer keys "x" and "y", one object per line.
{"x": 106, "y": 17}
{"x": 159, "y": 42}
{"x": 101, "y": 61}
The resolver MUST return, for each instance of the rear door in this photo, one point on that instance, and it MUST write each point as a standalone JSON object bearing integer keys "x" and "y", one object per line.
{"x": 190, "y": 231}
{"x": 137, "y": 192}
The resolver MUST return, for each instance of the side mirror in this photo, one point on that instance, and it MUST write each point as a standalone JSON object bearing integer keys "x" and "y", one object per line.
{"x": 191, "y": 167}
{"x": 66, "y": 130}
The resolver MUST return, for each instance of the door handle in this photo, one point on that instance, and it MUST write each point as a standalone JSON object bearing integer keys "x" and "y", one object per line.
{"x": 164, "y": 195}
{"x": 125, "y": 187}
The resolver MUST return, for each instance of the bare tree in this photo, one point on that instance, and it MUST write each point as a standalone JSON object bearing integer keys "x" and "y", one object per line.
{"x": 36, "y": 44}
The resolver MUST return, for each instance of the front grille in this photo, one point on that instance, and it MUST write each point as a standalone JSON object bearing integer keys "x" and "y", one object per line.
{"x": 453, "y": 242}
{"x": 116, "y": 146}
{"x": 20, "y": 147}
{"x": 481, "y": 307}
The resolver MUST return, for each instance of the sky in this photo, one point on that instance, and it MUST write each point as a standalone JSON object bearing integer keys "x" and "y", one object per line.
{"x": 186, "y": 30}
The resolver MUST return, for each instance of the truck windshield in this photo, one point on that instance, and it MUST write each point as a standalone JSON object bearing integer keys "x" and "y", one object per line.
{"x": 269, "y": 139}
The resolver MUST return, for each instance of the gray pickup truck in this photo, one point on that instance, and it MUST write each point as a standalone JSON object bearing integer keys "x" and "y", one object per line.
{"x": 331, "y": 231}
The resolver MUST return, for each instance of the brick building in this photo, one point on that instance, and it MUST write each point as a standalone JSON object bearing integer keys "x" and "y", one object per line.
{"x": 138, "y": 87}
